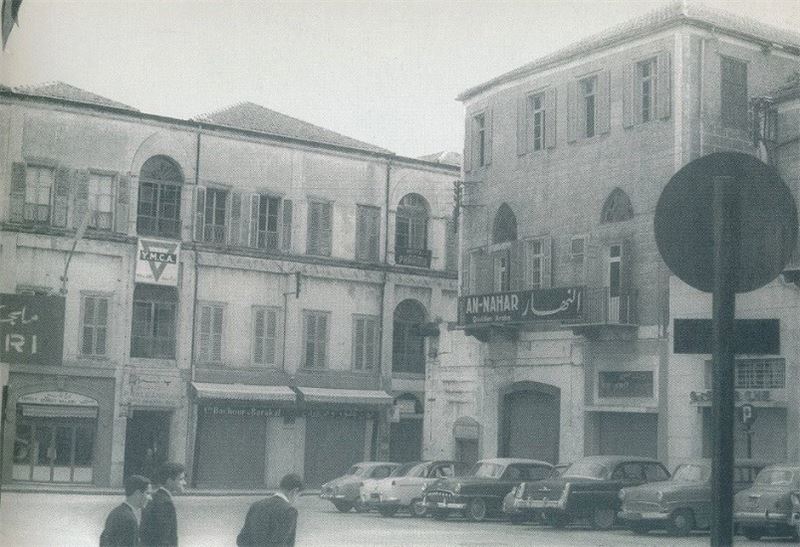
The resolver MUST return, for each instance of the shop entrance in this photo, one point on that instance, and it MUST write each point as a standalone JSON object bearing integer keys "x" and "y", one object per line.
{"x": 333, "y": 444}
{"x": 146, "y": 442}
{"x": 405, "y": 440}
{"x": 53, "y": 450}
{"x": 531, "y": 421}
{"x": 626, "y": 433}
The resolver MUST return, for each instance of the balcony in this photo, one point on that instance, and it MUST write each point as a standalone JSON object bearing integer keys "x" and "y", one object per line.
{"x": 603, "y": 313}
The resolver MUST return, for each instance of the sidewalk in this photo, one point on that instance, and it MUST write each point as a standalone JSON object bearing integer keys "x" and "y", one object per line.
{"x": 48, "y": 488}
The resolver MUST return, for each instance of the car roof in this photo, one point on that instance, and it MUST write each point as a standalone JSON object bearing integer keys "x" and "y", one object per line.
{"x": 614, "y": 460}
{"x": 787, "y": 466}
{"x": 739, "y": 462}
{"x": 374, "y": 464}
{"x": 509, "y": 461}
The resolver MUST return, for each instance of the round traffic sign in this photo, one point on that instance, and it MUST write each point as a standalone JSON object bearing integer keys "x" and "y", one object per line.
{"x": 766, "y": 212}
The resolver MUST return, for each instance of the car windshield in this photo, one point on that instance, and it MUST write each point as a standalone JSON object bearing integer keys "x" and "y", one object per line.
{"x": 404, "y": 469}
{"x": 775, "y": 477}
{"x": 691, "y": 472}
{"x": 419, "y": 470}
{"x": 356, "y": 470}
{"x": 587, "y": 470}
{"x": 486, "y": 469}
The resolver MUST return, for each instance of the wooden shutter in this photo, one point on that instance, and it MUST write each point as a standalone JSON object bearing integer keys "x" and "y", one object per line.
{"x": 522, "y": 124}
{"x": 550, "y": 117}
{"x": 626, "y": 266}
{"x": 547, "y": 262}
{"x": 603, "y": 103}
{"x": 489, "y": 131}
{"x": 595, "y": 262}
{"x": 362, "y": 247}
{"x": 216, "y": 335}
{"x": 17, "y": 213}
{"x": 234, "y": 224}
{"x": 199, "y": 212}
{"x": 313, "y": 228}
{"x": 517, "y": 265}
{"x": 484, "y": 272}
{"x": 572, "y": 111}
{"x": 61, "y": 193}
{"x": 359, "y": 343}
{"x": 629, "y": 87}
{"x": 80, "y": 197}
{"x": 204, "y": 337}
{"x": 466, "y": 288}
{"x": 467, "y": 144}
{"x": 326, "y": 224}
{"x": 122, "y": 212}
{"x": 259, "y": 331}
{"x": 286, "y": 227}
{"x": 321, "y": 341}
{"x": 252, "y": 231}
{"x": 664, "y": 85}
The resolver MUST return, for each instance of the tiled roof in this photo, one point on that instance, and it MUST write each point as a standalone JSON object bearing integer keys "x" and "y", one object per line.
{"x": 445, "y": 158}
{"x": 674, "y": 13}
{"x": 66, "y": 92}
{"x": 257, "y": 118}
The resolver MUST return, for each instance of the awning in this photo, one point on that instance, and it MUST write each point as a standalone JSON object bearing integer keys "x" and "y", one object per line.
{"x": 346, "y": 396}
{"x": 244, "y": 392}
{"x": 59, "y": 411}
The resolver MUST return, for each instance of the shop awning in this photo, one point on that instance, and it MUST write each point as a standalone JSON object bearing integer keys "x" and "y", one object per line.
{"x": 244, "y": 392}
{"x": 346, "y": 396}
{"x": 59, "y": 411}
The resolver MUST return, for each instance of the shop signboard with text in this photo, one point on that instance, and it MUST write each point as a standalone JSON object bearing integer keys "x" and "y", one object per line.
{"x": 31, "y": 329}
{"x": 522, "y": 306}
{"x": 157, "y": 261}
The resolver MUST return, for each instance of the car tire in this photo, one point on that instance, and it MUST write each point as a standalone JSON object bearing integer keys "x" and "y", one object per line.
{"x": 602, "y": 518}
{"x": 752, "y": 533}
{"x": 476, "y": 510}
{"x": 556, "y": 520}
{"x": 387, "y": 511}
{"x": 680, "y": 523}
{"x": 518, "y": 518}
{"x": 360, "y": 507}
{"x": 439, "y": 514}
{"x": 640, "y": 528}
{"x": 417, "y": 508}
{"x": 343, "y": 506}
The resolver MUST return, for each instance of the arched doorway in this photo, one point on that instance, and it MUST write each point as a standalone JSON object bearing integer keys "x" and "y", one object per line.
{"x": 405, "y": 431}
{"x": 530, "y": 421}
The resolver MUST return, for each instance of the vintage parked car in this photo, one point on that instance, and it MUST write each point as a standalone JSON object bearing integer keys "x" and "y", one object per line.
{"x": 343, "y": 491}
{"x": 368, "y": 488}
{"x": 766, "y": 507}
{"x": 517, "y": 516}
{"x": 682, "y": 503}
{"x": 404, "y": 491}
{"x": 480, "y": 493}
{"x": 588, "y": 489}
{"x": 796, "y": 512}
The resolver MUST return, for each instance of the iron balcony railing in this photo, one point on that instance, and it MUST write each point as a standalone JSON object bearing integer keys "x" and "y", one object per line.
{"x": 602, "y": 307}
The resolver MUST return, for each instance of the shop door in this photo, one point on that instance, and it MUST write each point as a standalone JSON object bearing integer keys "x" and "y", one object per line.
{"x": 628, "y": 434}
{"x": 405, "y": 440}
{"x": 52, "y": 450}
{"x": 467, "y": 452}
{"x": 230, "y": 451}
{"x": 333, "y": 444}
{"x": 532, "y": 425}
{"x": 146, "y": 442}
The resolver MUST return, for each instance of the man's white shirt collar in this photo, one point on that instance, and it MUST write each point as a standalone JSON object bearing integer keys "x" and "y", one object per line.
{"x": 282, "y": 495}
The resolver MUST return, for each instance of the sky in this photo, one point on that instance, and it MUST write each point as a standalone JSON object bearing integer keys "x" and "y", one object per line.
{"x": 384, "y": 72}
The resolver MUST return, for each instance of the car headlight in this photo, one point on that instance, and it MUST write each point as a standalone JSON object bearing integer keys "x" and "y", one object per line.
{"x": 660, "y": 495}
{"x": 622, "y": 495}
{"x": 457, "y": 489}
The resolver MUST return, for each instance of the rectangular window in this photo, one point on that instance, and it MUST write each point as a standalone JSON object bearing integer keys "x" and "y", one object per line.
{"x": 267, "y": 224}
{"x": 535, "y": 267}
{"x": 734, "y": 105}
{"x": 214, "y": 227}
{"x": 315, "y": 339}
{"x": 38, "y": 189}
{"x": 365, "y": 342}
{"x": 153, "y": 326}
{"x": 94, "y": 325}
{"x": 646, "y": 76}
{"x": 625, "y": 384}
{"x": 479, "y": 123}
{"x": 614, "y": 270}
{"x": 588, "y": 91}
{"x": 368, "y": 233}
{"x": 754, "y": 374}
{"x": 537, "y": 120}
{"x": 159, "y": 209}
{"x": 265, "y": 336}
{"x": 101, "y": 196}
{"x": 319, "y": 228}
{"x": 210, "y": 339}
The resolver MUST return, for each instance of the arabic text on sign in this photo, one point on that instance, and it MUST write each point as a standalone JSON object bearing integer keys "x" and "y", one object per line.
{"x": 16, "y": 316}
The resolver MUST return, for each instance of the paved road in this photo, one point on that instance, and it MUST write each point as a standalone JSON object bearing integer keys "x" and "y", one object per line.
{"x": 62, "y": 520}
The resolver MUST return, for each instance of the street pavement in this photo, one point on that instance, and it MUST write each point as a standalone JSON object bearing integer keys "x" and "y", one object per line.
{"x": 63, "y": 520}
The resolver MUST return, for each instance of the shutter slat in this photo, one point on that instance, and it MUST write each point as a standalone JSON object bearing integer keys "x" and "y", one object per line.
{"x": 123, "y": 203}
{"x": 199, "y": 212}
{"x": 80, "y": 197}
{"x": 628, "y": 94}
{"x": 550, "y": 117}
{"x": 17, "y": 213}
{"x": 522, "y": 124}
{"x": 572, "y": 111}
{"x": 603, "y": 105}
{"x": 664, "y": 85}
{"x": 233, "y": 228}
{"x": 286, "y": 227}
{"x": 325, "y": 232}
{"x": 61, "y": 193}
{"x": 253, "y": 224}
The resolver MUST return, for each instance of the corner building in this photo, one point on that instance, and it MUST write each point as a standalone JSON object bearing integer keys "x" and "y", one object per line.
{"x": 252, "y": 295}
{"x": 564, "y": 161}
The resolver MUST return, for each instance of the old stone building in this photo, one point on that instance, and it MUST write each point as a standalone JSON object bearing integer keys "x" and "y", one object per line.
{"x": 565, "y": 298}
{"x": 249, "y": 294}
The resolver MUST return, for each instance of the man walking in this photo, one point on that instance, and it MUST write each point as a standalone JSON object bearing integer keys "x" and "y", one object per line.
{"x": 159, "y": 520}
{"x": 273, "y": 520}
{"x": 122, "y": 524}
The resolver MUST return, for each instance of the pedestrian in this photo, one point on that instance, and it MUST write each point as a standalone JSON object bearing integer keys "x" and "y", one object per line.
{"x": 273, "y": 520}
{"x": 159, "y": 520}
{"x": 122, "y": 524}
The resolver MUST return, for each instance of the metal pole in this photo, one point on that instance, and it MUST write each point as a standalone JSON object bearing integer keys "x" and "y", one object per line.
{"x": 725, "y": 215}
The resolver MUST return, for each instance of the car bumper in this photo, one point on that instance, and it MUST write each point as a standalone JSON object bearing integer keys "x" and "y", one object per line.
{"x": 527, "y": 504}
{"x": 638, "y": 516}
{"x": 335, "y": 497}
{"x": 455, "y": 504}
{"x": 763, "y": 518}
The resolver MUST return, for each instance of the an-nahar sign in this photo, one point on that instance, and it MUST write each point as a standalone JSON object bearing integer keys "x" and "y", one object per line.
{"x": 157, "y": 261}
{"x": 522, "y": 306}
{"x": 31, "y": 329}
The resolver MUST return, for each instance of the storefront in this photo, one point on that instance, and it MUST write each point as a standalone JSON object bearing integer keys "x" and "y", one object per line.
{"x": 405, "y": 429}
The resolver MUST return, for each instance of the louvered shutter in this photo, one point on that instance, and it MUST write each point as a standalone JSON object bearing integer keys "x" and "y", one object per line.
{"x": 122, "y": 211}
{"x": 358, "y": 344}
{"x": 466, "y": 288}
{"x": 199, "y": 212}
{"x": 489, "y": 135}
{"x": 594, "y": 262}
{"x": 322, "y": 340}
{"x": 484, "y": 272}
{"x": 286, "y": 227}
{"x": 63, "y": 177}
{"x": 517, "y": 265}
{"x": 216, "y": 351}
{"x": 522, "y": 124}
{"x": 326, "y": 221}
{"x": 362, "y": 247}
{"x": 550, "y": 117}
{"x": 80, "y": 198}
{"x": 258, "y": 336}
{"x": 234, "y": 217}
{"x": 603, "y": 105}
{"x": 664, "y": 83}
{"x": 629, "y": 87}
{"x": 312, "y": 240}
{"x": 17, "y": 212}
{"x": 572, "y": 111}
{"x": 205, "y": 334}
{"x": 253, "y": 224}
{"x": 467, "y": 145}
{"x": 547, "y": 262}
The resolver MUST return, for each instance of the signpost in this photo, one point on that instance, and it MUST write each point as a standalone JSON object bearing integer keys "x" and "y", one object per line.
{"x": 748, "y": 417}
{"x": 725, "y": 223}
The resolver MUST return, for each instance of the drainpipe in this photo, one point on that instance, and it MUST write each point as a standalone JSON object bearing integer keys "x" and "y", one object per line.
{"x": 192, "y": 437}
{"x": 702, "y": 99}
{"x": 376, "y": 437}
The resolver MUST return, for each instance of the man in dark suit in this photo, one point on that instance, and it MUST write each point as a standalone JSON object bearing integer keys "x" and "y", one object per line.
{"x": 159, "y": 520}
{"x": 273, "y": 520}
{"x": 122, "y": 523}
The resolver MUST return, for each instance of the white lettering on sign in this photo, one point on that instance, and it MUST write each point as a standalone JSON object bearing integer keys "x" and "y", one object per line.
{"x": 16, "y": 316}
{"x": 61, "y": 398}
{"x": 493, "y": 303}
{"x": 153, "y": 256}
{"x": 19, "y": 343}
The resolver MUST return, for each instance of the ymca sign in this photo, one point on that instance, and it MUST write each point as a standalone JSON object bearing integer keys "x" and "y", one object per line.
{"x": 157, "y": 261}
{"x": 31, "y": 329}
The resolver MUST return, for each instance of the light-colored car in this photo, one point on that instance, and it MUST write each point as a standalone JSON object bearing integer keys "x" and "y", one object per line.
{"x": 344, "y": 491}
{"x": 404, "y": 489}
{"x": 765, "y": 509}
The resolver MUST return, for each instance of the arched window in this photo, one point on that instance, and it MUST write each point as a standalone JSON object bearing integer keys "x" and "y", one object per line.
{"x": 159, "y": 209}
{"x": 412, "y": 223}
{"x": 408, "y": 345}
{"x": 617, "y": 207}
{"x": 505, "y": 225}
